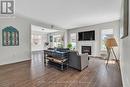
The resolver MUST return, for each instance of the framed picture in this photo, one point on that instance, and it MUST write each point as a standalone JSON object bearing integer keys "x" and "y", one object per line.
{"x": 10, "y": 36}
{"x": 124, "y": 19}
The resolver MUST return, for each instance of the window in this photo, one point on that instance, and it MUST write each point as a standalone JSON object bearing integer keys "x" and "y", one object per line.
{"x": 57, "y": 41}
{"x": 73, "y": 40}
{"x": 36, "y": 39}
{"x": 104, "y": 33}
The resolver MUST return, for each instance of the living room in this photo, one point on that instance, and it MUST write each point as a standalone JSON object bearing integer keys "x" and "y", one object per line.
{"x": 66, "y": 44}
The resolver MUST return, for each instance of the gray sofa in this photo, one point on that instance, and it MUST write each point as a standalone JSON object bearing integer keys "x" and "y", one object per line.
{"x": 78, "y": 61}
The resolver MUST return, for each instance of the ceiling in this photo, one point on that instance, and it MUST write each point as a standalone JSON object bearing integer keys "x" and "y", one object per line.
{"x": 69, "y": 14}
{"x": 40, "y": 29}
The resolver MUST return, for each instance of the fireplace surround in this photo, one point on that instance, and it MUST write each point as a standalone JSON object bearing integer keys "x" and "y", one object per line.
{"x": 86, "y": 49}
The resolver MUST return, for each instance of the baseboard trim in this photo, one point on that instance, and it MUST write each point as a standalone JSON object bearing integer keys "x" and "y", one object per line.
{"x": 15, "y": 62}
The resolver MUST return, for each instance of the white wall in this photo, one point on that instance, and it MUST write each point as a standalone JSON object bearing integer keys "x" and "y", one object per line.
{"x": 96, "y": 44}
{"x": 12, "y": 54}
{"x": 125, "y": 59}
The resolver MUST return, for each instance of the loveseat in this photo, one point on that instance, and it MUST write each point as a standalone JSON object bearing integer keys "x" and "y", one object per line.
{"x": 78, "y": 61}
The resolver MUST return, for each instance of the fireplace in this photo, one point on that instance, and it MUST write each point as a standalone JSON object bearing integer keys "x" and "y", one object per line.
{"x": 86, "y": 49}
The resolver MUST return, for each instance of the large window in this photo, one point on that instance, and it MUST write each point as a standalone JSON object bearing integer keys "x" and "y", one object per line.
{"x": 58, "y": 42}
{"x": 104, "y": 34}
{"x": 36, "y": 39}
{"x": 73, "y": 40}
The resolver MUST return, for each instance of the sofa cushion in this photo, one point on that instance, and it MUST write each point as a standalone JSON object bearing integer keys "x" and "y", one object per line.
{"x": 62, "y": 49}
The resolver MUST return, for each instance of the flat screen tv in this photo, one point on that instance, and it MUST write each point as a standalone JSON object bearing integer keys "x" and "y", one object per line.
{"x": 86, "y": 36}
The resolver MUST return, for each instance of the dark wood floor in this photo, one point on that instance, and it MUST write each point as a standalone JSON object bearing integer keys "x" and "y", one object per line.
{"x": 34, "y": 74}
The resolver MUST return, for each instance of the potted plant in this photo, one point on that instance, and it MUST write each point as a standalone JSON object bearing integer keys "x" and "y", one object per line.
{"x": 69, "y": 46}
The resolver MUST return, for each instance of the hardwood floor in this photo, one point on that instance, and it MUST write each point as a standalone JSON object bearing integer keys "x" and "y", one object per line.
{"x": 34, "y": 74}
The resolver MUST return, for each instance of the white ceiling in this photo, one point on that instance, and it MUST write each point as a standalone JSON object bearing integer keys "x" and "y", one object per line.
{"x": 70, "y": 13}
{"x": 41, "y": 29}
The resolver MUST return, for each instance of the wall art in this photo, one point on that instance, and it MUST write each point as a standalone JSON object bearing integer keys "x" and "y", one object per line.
{"x": 10, "y": 36}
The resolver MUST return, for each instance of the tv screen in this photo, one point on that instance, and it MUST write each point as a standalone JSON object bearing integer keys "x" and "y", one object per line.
{"x": 87, "y": 35}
